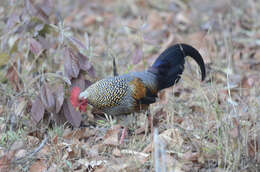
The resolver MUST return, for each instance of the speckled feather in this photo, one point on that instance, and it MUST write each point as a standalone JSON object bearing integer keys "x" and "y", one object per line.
{"x": 121, "y": 94}
{"x": 135, "y": 91}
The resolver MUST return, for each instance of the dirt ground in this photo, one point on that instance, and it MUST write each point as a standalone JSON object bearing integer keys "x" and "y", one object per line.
{"x": 49, "y": 46}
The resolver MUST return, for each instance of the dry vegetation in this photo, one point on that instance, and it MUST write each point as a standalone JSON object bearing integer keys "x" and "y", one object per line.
{"x": 48, "y": 46}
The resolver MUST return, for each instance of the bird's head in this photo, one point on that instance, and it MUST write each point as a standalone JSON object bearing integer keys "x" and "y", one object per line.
{"x": 78, "y": 100}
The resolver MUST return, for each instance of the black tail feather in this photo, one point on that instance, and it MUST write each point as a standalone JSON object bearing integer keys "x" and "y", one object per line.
{"x": 170, "y": 64}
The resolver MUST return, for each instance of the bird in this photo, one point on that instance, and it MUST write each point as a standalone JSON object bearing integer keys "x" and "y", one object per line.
{"x": 135, "y": 91}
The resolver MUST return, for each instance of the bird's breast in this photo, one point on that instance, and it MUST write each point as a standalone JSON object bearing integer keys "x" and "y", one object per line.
{"x": 123, "y": 94}
{"x": 107, "y": 93}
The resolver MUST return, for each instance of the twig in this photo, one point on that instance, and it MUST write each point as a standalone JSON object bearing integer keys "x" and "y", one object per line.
{"x": 32, "y": 153}
{"x": 65, "y": 79}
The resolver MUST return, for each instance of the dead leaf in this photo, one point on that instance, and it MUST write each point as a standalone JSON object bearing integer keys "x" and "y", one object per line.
{"x": 20, "y": 108}
{"x": 191, "y": 156}
{"x": 38, "y": 166}
{"x": 5, "y": 161}
{"x": 249, "y": 82}
{"x": 77, "y": 82}
{"x": 155, "y": 20}
{"x": 53, "y": 168}
{"x": 35, "y": 47}
{"x": 77, "y": 43}
{"x": 197, "y": 109}
{"x": 140, "y": 156}
{"x": 121, "y": 167}
{"x": 36, "y": 10}
{"x": 148, "y": 148}
{"x": 89, "y": 20}
{"x": 59, "y": 97}
{"x": 71, "y": 63}
{"x": 47, "y": 7}
{"x": 60, "y": 118}
{"x": 252, "y": 148}
{"x": 20, "y": 153}
{"x": 116, "y": 152}
{"x": 47, "y": 98}
{"x": 92, "y": 164}
{"x": 37, "y": 110}
{"x": 86, "y": 65}
{"x": 32, "y": 140}
{"x": 111, "y": 137}
{"x": 44, "y": 152}
{"x": 170, "y": 40}
{"x": 82, "y": 133}
{"x": 140, "y": 130}
{"x": 234, "y": 132}
{"x": 183, "y": 18}
{"x": 55, "y": 140}
{"x": 13, "y": 19}
{"x": 13, "y": 78}
{"x": 19, "y": 144}
{"x": 172, "y": 137}
{"x": 73, "y": 116}
{"x": 93, "y": 151}
{"x": 45, "y": 43}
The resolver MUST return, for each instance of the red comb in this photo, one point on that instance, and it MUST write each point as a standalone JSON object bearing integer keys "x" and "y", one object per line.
{"x": 76, "y": 103}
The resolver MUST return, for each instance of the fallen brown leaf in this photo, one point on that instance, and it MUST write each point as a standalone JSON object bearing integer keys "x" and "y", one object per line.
{"x": 21, "y": 153}
{"x": 116, "y": 152}
{"x": 13, "y": 78}
{"x": 81, "y": 133}
{"x": 35, "y": 47}
{"x": 89, "y": 20}
{"x": 47, "y": 98}
{"x": 37, "y": 110}
{"x": 5, "y": 161}
{"x": 73, "y": 116}
{"x": 59, "y": 97}
{"x": 191, "y": 156}
{"x": 111, "y": 137}
{"x": 183, "y": 18}
{"x": 139, "y": 156}
{"x": 71, "y": 63}
{"x": 172, "y": 137}
{"x": 44, "y": 152}
{"x": 38, "y": 166}
{"x": 155, "y": 20}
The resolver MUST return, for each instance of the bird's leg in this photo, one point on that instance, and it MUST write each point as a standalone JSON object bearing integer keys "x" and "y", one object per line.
{"x": 149, "y": 124}
{"x": 146, "y": 126}
{"x": 122, "y": 138}
{"x": 124, "y": 122}
{"x": 150, "y": 120}
{"x": 123, "y": 132}
{"x": 127, "y": 121}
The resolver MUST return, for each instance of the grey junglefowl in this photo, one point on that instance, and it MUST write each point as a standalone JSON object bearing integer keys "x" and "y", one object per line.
{"x": 135, "y": 91}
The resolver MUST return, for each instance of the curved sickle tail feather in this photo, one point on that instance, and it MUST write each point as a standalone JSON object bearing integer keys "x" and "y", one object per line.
{"x": 170, "y": 64}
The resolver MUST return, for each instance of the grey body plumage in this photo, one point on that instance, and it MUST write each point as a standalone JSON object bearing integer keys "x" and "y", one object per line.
{"x": 136, "y": 90}
{"x": 114, "y": 95}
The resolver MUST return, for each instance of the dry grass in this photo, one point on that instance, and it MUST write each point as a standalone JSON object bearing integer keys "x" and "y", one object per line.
{"x": 209, "y": 126}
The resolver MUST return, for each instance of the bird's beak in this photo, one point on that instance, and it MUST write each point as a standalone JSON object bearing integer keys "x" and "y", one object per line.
{"x": 83, "y": 95}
